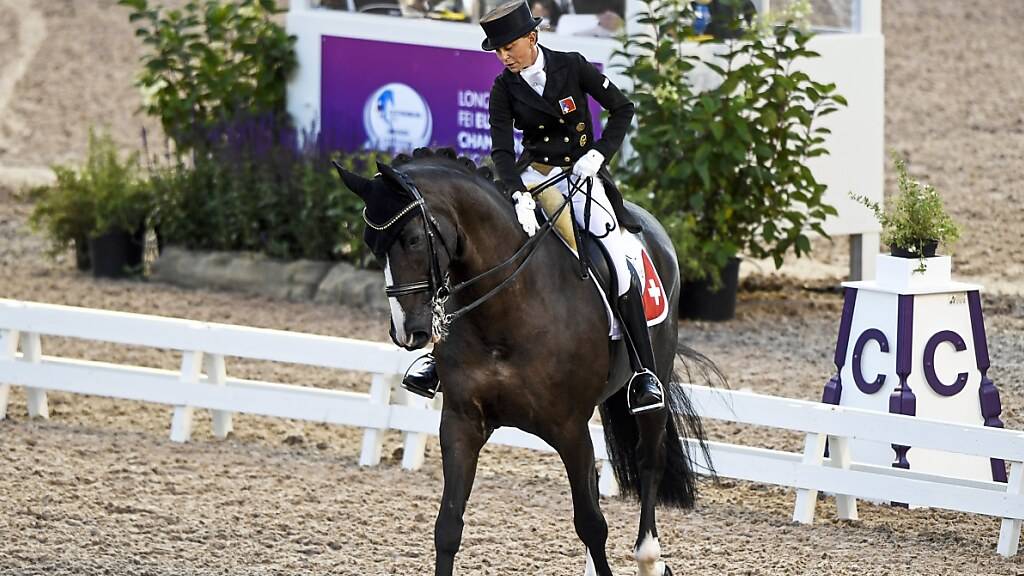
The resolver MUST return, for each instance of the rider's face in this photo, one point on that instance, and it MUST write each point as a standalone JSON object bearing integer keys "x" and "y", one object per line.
{"x": 519, "y": 53}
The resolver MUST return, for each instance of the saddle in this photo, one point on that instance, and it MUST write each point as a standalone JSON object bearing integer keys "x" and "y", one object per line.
{"x": 599, "y": 266}
{"x": 601, "y": 273}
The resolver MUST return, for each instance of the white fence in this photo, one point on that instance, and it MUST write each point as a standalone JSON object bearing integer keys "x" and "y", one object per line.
{"x": 202, "y": 382}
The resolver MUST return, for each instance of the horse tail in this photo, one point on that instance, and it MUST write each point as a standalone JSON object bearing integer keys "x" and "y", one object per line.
{"x": 685, "y": 440}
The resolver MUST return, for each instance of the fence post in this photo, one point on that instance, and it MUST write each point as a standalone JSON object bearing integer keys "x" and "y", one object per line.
{"x": 181, "y": 422}
{"x": 606, "y": 484}
{"x": 216, "y": 374}
{"x": 415, "y": 446}
{"x": 806, "y": 498}
{"x": 839, "y": 450}
{"x": 1009, "y": 528}
{"x": 8, "y": 353}
{"x": 32, "y": 352}
{"x": 373, "y": 438}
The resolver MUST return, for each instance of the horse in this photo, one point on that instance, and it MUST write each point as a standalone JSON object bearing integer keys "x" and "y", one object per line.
{"x": 527, "y": 346}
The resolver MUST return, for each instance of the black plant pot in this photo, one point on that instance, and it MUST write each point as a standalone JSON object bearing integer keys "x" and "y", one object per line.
{"x": 82, "y": 260}
{"x": 929, "y": 251}
{"x": 698, "y": 302}
{"x": 118, "y": 253}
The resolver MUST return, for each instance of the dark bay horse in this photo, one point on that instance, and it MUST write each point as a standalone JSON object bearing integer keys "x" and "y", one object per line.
{"x": 535, "y": 355}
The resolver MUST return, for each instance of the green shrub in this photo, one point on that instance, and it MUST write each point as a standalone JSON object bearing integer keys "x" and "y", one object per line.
{"x": 210, "y": 62}
{"x": 102, "y": 195}
{"x": 725, "y": 169}
{"x": 255, "y": 190}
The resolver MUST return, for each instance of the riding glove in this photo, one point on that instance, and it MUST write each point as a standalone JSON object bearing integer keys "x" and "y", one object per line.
{"x": 588, "y": 165}
{"x": 525, "y": 207}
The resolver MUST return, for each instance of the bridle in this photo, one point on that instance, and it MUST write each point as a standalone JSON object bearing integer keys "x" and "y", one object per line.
{"x": 438, "y": 284}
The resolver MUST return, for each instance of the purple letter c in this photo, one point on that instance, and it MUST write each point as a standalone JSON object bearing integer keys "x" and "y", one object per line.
{"x": 858, "y": 350}
{"x": 929, "y": 363}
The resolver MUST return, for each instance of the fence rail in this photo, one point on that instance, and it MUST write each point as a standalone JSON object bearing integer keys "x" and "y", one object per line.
{"x": 202, "y": 382}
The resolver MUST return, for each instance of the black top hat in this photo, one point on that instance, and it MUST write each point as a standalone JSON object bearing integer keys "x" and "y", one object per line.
{"x": 506, "y": 23}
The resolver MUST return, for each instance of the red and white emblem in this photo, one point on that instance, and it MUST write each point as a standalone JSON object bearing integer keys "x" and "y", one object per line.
{"x": 655, "y": 301}
{"x": 567, "y": 104}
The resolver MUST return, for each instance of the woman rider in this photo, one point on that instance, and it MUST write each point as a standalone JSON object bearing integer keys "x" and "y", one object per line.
{"x": 544, "y": 93}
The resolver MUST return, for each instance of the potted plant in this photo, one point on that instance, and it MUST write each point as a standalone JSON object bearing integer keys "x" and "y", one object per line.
{"x": 64, "y": 212}
{"x": 102, "y": 206}
{"x": 917, "y": 223}
{"x": 725, "y": 168}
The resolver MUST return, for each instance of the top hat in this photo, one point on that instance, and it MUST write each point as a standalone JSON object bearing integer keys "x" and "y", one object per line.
{"x": 506, "y": 23}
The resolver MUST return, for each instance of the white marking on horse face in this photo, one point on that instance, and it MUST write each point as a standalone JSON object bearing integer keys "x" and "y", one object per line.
{"x": 590, "y": 570}
{"x": 648, "y": 557}
{"x": 397, "y": 314}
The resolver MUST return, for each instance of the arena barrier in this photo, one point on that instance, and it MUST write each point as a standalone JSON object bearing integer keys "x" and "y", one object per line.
{"x": 203, "y": 383}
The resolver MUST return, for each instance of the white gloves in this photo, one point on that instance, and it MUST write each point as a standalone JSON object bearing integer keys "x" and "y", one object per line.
{"x": 525, "y": 207}
{"x": 588, "y": 165}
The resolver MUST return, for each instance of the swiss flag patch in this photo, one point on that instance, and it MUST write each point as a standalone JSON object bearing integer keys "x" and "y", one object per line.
{"x": 655, "y": 302}
{"x": 567, "y": 104}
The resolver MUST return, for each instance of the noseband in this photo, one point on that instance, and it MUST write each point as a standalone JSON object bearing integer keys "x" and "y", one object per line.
{"x": 438, "y": 284}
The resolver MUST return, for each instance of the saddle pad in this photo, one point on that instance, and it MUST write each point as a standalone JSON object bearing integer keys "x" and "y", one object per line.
{"x": 655, "y": 302}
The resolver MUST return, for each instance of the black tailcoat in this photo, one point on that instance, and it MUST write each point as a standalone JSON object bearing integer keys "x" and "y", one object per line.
{"x": 557, "y": 127}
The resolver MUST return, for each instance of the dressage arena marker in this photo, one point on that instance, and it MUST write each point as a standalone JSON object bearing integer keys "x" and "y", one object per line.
{"x": 203, "y": 383}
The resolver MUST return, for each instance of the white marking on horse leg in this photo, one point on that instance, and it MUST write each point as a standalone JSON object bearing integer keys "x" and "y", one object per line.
{"x": 397, "y": 314}
{"x": 590, "y": 570}
{"x": 648, "y": 557}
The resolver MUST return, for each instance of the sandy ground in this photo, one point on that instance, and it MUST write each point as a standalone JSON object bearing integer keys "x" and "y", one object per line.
{"x": 99, "y": 489}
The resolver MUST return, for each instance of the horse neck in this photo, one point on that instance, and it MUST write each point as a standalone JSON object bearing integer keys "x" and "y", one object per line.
{"x": 492, "y": 235}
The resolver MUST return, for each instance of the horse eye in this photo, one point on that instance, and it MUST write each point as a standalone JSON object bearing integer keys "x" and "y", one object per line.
{"x": 414, "y": 241}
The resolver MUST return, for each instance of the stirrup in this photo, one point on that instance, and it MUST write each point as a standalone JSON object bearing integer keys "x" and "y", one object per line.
{"x": 654, "y": 387}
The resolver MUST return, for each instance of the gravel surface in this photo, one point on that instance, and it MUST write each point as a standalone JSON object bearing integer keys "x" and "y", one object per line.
{"x": 99, "y": 489}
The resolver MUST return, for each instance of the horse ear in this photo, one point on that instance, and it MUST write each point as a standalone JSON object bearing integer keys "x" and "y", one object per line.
{"x": 354, "y": 182}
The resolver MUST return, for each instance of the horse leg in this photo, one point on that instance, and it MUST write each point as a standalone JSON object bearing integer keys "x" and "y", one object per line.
{"x": 651, "y": 466}
{"x": 577, "y": 452}
{"x": 462, "y": 437}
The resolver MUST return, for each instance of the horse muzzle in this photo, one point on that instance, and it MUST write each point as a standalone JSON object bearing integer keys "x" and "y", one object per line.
{"x": 416, "y": 340}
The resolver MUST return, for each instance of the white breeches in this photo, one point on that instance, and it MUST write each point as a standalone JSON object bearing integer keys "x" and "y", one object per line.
{"x": 603, "y": 223}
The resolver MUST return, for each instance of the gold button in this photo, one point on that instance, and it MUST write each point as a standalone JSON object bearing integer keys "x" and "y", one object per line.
{"x": 546, "y": 138}
{"x": 567, "y": 139}
{"x": 567, "y": 159}
{"x": 561, "y": 121}
{"x": 541, "y": 127}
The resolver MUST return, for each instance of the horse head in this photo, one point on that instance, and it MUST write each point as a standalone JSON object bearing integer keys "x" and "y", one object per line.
{"x": 413, "y": 243}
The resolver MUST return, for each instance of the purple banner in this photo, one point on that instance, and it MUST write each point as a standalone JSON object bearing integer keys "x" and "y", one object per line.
{"x": 396, "y": 97}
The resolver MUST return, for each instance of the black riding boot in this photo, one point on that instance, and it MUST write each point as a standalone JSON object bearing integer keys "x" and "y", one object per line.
{"x": 422, "y": 377}
{"x": 644, "y": 392}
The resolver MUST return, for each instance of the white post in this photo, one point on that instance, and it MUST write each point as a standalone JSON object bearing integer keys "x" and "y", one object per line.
{"x": 8, "y": 352}
{"x": 373, "y": 438}
{"x": 839, "y": 451}
{"x": 606, "y": 483}
{"x": 415, "y": 447}
{"x": 32, "y": 351}
{"x": 181, "y": 422}
{"x": 867, "y": 17}
{"x": 216, "y": 374}
{"x": 863, "y": 252}
{"x": 806, "y": 498}
{"x": 1009, "y": 529}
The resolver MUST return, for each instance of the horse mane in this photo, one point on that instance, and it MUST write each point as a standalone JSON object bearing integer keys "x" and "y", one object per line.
{"x": 447, "y": 158}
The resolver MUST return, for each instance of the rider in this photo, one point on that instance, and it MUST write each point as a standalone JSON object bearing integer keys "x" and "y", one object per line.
{"x": 544, "y": 93}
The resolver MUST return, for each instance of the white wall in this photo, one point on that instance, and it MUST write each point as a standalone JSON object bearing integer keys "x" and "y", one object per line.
{"x": 855, "y": 62}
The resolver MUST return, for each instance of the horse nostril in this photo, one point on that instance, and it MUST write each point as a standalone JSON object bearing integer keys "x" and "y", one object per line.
{"x": 419, "y": 339}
